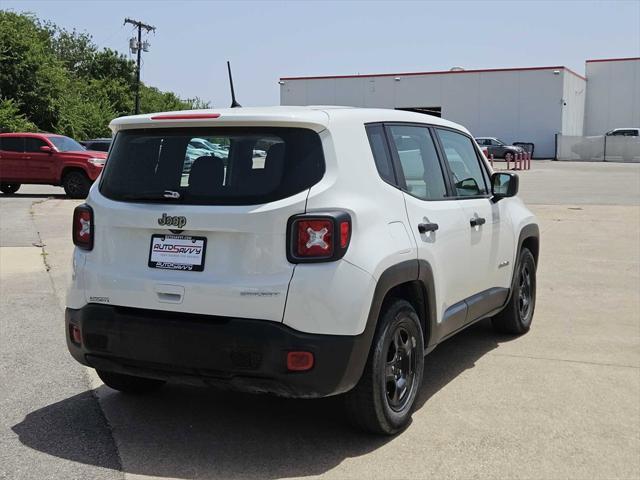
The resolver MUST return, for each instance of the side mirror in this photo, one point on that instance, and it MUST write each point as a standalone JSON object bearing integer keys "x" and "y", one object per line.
{"x": 468, "y": 187}
{"x": 504, "y": 185}
{"x": 46, "y": 149}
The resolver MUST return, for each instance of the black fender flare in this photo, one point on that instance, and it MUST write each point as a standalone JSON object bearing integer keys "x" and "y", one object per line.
{"x": 407, "y": 271}
{"x": 403, "y": 272}
{"x": 531, "y": 230}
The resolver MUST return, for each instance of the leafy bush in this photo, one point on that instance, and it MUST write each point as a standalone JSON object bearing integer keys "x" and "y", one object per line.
{"x": 11, "y": 120}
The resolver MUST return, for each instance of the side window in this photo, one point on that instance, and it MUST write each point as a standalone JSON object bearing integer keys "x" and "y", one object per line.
{"x": 33, "y": 145}
{"x": 12, "y": 144}
{"x": 463, "y": 163}
{"x": 624, "y": 133}
{"x": 378, "y": 143}
{"x": 419, "y": 160}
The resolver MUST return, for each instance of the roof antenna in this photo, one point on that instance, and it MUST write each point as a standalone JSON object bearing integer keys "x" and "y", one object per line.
{"x": 234, "y": 104}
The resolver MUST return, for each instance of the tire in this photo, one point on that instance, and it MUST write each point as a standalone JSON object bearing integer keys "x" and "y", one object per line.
{"x": 508, "y": 156}
{"x": 76, "y": 184}
{"x": 383, "y": 400}
{"x": 128, "y": 383}
{"x": 9, "y": 188}
{"x": 517, "y": 316}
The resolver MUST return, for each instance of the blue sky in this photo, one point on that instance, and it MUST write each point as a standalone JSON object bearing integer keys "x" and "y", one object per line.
{"x": 266, "y": 40}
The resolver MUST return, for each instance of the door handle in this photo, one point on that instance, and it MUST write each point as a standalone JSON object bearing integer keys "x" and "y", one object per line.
{"x": 477, "y": 221}
{"x": 427, "y": 227}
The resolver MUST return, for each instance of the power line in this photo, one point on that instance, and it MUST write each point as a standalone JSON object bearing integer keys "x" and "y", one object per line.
{"x": 138, "y": 47}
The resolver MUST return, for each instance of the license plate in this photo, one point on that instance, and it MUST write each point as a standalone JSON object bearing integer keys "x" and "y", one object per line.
{"x": 177, "y": 252}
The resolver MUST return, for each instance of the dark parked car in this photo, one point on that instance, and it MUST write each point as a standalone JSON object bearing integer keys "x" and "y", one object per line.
{"x": 97, "y": 144}
{"x": 498, "y": 148}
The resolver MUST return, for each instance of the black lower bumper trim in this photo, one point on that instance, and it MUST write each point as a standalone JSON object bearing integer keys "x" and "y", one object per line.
{"x": 236, "y": 353}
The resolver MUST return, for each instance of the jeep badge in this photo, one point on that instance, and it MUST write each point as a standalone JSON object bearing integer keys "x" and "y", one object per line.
{"x": 170, "y": 221}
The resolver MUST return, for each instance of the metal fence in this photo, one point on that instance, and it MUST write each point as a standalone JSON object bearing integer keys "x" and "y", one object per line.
{"x": 598, "y": 148}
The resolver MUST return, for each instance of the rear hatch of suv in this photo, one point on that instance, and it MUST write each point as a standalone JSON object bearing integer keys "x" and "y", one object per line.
{"x": 193, "y": 219}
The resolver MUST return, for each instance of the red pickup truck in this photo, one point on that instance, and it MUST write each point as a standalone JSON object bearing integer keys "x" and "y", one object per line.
{"x": 47, "y": 159}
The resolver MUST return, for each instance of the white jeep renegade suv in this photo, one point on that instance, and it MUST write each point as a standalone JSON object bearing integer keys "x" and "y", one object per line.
{"x": 331, "y": 265}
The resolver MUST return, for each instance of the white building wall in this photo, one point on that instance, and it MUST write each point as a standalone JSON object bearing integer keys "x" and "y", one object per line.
{"x": 518, "y": 105}
{"x": 613, "y": 95}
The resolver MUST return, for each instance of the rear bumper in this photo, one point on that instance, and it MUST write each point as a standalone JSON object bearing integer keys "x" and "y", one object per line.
{"x": 237, "y": 353}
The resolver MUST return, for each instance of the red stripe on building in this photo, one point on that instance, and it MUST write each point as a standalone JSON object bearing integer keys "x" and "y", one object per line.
{"x": 613, "y": 59}
{"x": 443, "y": 72}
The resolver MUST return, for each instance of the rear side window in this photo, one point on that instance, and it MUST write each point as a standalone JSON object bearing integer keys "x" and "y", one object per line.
{"x": 463, "y": 163}
{"x": 12, "y": 144}
{"x": 378, "y": 143}
{"x": 629, "y": 133}
{"x": 419, "y": 161}
{"x": 214, "y": 166}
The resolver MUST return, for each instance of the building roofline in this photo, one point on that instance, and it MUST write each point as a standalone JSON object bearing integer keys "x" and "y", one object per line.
{"x": 441, "y": 72}
{"x": 612, "y": 59}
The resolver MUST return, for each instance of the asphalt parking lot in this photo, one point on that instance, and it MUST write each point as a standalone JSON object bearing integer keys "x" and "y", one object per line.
{"x": 562, "y": 401}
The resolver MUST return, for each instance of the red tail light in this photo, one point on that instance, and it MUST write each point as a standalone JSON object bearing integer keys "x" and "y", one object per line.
{"x": 315, "y": 238}
{"x": 299, "y": 361}
{"x": 83, "y": 227}
{"x": 185, "y": 116}
{"x": 75, "y": 334}
{"x": 318, "y": 237}
{"x": 345, "y": 233}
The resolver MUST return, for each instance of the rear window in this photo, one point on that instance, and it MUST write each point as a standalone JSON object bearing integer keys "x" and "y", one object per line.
{"x": 213, "y": 166}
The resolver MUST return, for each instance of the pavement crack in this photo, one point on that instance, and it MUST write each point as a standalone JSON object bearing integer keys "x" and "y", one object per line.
{"x": 584, "y": 362}
{"x": 44, "y": 254}
{"x": 37, "y": 202}
{"x": 40, "y": 244}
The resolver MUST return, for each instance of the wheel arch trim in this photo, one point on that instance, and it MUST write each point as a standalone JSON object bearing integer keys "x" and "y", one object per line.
{"x": 529, "y": 231}
{"x": 67, "y": 169}
{"x": 396, "y": 275}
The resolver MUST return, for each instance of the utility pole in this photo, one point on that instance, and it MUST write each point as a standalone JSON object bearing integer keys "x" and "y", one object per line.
{"x": 138, "y": 47}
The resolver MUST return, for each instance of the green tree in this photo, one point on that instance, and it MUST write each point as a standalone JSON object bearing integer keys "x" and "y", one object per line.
{"x": 59, "y": 81}
{"x": 11, "y": 120}
{"x": 30, "y": 74}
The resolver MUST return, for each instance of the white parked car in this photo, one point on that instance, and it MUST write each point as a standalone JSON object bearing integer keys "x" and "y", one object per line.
{"x": 624, "y": 132}
{"x": 207, "y": 146}
{"x": 364, "y": 239}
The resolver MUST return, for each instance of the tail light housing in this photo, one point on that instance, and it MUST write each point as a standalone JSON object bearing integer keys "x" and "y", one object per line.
{"x": 318, "y": 237}
{"x": 83, "y": 227}
{"x": 300, "y": 361}
{"x": 75, "y": 334}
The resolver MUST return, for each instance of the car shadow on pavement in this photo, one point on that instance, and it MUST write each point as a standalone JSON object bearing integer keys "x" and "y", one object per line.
{"x": 61, "y": 196}
{"x": 189, "y": 432}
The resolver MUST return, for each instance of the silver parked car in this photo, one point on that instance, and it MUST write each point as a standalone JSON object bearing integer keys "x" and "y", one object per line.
{"x": 498, "y": 148}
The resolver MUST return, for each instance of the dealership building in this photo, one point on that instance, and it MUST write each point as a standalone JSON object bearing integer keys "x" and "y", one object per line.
{"x": 530, "y": 105}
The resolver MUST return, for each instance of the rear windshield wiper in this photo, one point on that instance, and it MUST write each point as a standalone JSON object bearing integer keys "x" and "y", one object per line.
{"x": 165, "y": 195}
